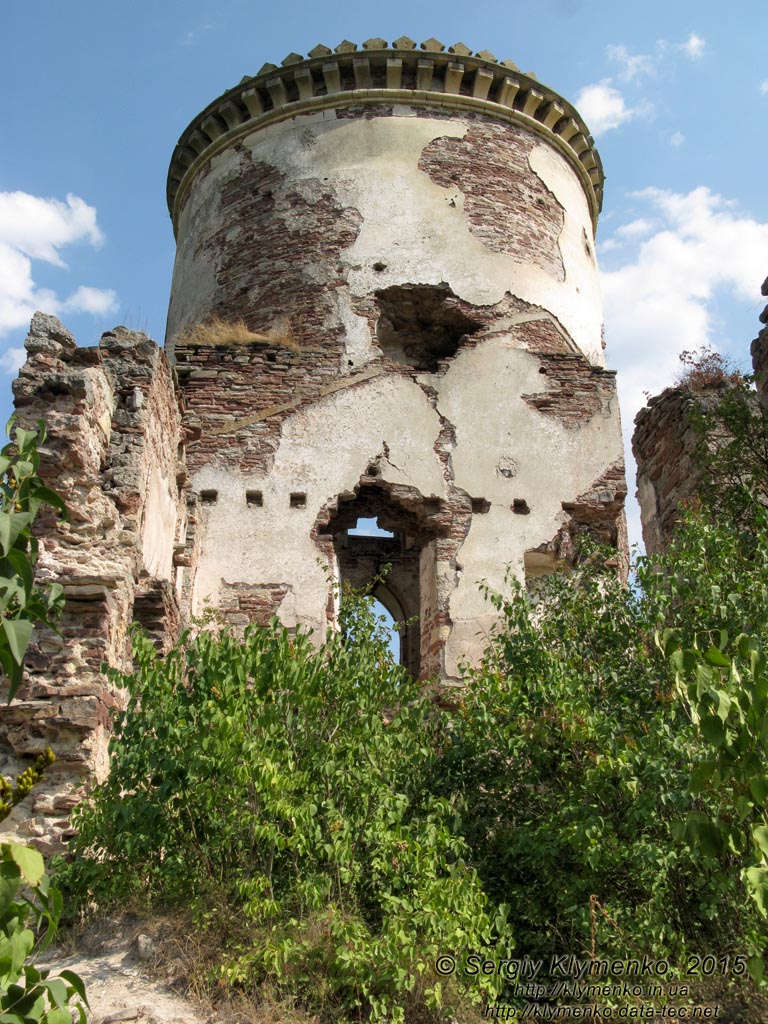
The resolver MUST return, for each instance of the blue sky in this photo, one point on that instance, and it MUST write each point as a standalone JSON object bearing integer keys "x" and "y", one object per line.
{"x": 675, "y": 93}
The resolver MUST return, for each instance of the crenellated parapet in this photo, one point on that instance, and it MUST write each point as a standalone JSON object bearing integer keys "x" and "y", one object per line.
{"x": 430, "y": 77}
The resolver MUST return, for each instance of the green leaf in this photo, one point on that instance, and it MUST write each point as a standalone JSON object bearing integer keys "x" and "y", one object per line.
{"x": 713, "y": 730}
{"x": 760, "y": 835}
{"x": 703, "y": 834}
{"x": 756, "y": 968}
{"x": 49, "y": 497}
{"x": 57, "y": 989}
{"x": 5, "y": 532}
{"x": 701, "y": 775}
{"x": 758, "y": 787}
{"x": 29, "y": 861}
{"x": 18, "y": 633}
{"x": 77, "y": 984}
{"x": 58, "y": 1015}
{"x": 716, "y": 657}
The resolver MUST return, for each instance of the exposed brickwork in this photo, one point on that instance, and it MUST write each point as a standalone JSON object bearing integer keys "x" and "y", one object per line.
{"x": 508, "y": 207}
{"x": 156, "y": 609}
{"x": 577, "y": 390}
{"x": 114, "y": 424}
{"x": 242, "y": 603}
{"x": 277, "y": 251}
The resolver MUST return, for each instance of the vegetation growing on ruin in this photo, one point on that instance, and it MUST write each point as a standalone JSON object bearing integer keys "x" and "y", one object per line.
{"x": 599, "y": 787}
{"x": 217, "y": 331}
{"x": 30, "y": 907}
{"x": 22, "y": 602}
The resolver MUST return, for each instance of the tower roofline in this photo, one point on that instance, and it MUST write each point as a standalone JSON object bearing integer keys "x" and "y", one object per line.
{"x": 430, "y": 77}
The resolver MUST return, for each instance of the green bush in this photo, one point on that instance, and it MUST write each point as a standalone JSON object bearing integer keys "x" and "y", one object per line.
{"x": 283, "y": 790}
{"x": 572, "y": 758}
{"x": 28, "y": 903}
{"x": 22, "y": 602}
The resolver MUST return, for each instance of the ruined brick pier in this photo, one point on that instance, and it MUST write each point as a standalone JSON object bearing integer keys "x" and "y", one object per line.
{"x": 409, "y": 234}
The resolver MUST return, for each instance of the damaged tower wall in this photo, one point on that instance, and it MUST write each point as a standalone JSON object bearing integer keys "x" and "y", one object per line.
{"x": 424, "y": 221}
{"x": 408, "y": 237}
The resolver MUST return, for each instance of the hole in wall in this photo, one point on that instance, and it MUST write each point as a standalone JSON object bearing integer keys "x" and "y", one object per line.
{"x": 254, "y": 498}
{"x": 520, "y": 507}
{"x": 209, "y": 497}
{"x": 368, "y": 528}
{"x": 480, "y": 506}
{"x": 298, "y": 500}
{"x": 420, "y": 325}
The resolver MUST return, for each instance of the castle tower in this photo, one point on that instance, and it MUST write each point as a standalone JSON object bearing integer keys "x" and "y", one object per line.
{"x": 385, "y": 305}
{"x": 410, "y": 233}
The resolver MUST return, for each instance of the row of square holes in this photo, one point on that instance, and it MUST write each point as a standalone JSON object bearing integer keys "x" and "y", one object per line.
{"x": 298, "y": 499}
{"x": 254, "y": 498}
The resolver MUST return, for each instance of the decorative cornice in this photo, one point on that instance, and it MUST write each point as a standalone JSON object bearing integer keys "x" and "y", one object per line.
{"x": 429, "y": 77}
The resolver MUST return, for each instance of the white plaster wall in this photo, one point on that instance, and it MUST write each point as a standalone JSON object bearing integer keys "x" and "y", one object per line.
{"x": 480, "y": 395}
{"x": 408, "y": 222}
{"x": 323, "y": 452}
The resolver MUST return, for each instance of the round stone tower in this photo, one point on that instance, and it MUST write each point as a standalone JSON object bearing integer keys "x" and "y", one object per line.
{"x": 385, "y": 305}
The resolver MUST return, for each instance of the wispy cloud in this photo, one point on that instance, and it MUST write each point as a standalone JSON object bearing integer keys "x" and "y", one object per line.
{"x": 192, "y": 36}
{"x": 36, "y": 228}
{"x": 632, "y": 65}
{"x": 603, "y": 107}
{"x": 676, "y": 139}
{"x": 693, "y": 47}
{"x": 764, "y": 87}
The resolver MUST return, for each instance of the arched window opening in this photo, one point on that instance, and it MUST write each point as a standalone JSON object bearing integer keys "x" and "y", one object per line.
{"x": 390, "y": 625}
{"x": 391, "y": 548}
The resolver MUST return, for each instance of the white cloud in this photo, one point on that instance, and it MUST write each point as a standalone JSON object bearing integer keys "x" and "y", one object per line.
{"x": 97, "y": 301}
{"x": 12, "y": 360}
{"x": 635, "y": 228}
{"x": 660, "y": 299}
{"x": 39, "y": 227}
{"x": 676, "y": 139}
{"x": 632, "y": 65}
{"x": 764, "y": 87}
{"x": 36, "y": 228}
{"x": 693, "y": 47}
{"x": 603, "y": 107}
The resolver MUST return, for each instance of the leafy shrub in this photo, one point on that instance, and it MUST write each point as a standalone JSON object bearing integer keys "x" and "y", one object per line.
{"x": 572, "y": 757}
{"x": 22, "y": 603}
{"x": 29, "y": 995}
{"x": 28, "y": 902}
{"x": 705, "y": 369}
{"x": 283, "y": 790}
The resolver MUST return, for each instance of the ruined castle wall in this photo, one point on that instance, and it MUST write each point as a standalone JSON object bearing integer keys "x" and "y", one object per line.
{"x": 664, "y": 444}
{"x": 113, "y": 425}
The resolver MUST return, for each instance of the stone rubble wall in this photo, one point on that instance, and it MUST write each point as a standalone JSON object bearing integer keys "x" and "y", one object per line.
{"x": 114, "y": 428}
{"x": 664, "y": 445}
